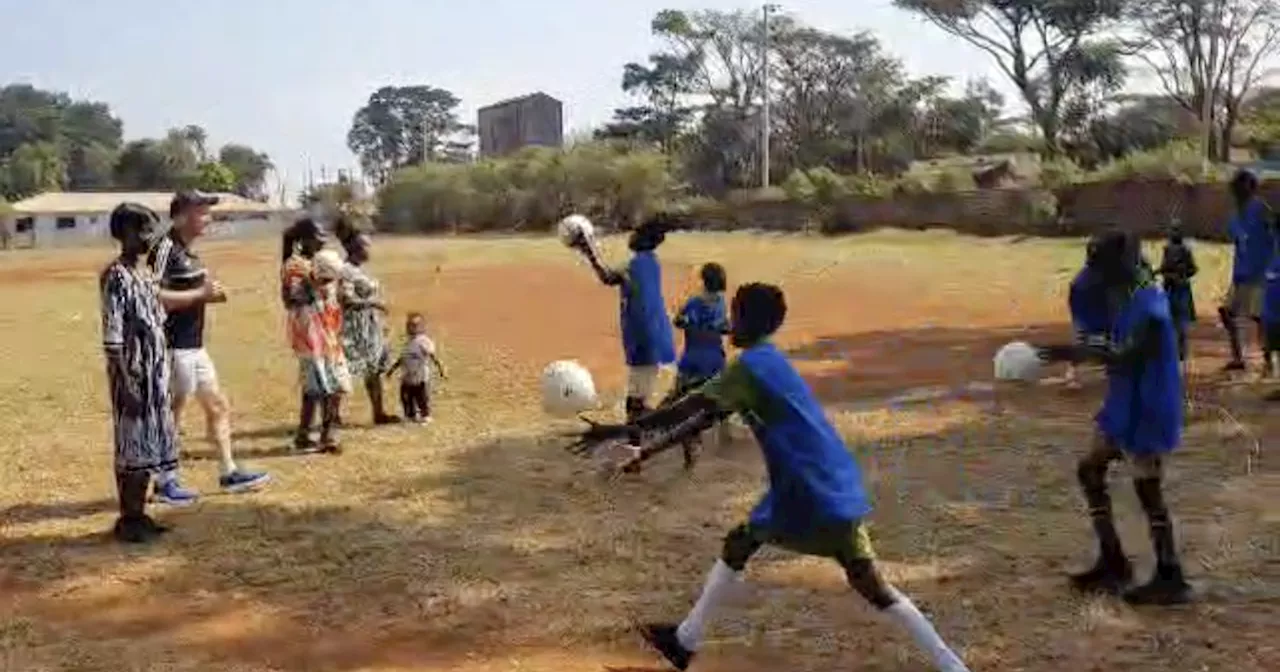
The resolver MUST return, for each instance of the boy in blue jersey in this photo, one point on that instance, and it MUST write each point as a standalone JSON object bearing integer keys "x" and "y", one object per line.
{"x": 1177, "y": 267}
{"x": 1090, "y": 309}
{"x": 1251, "y": 232}
{"x": 815, "y": 504}
{"x": 705, "y": 321}
{"x": 647, "y": 339}
{"x": 1140, "y": 420}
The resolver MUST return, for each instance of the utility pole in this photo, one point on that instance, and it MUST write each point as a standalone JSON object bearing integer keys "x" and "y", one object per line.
{"x": 765, "y": 130}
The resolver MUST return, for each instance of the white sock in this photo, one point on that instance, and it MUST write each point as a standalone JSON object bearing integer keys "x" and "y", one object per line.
{"x": 720, "y": 582}
{"x": 167, "y": 477}
{"x": 909, "y": 617}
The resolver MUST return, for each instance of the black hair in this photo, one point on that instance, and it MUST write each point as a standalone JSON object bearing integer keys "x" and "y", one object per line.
{"x": 130, "y": 215}
{"x": 348, "y": 234}
{"x": 300, "y": 230}
{"x": 713, "y": 277}
{"x": 1119, "y": 254}
{"x": 1244, "y": 184}
{"x": 758, "y": 311}
{"x": 652, "y": 232}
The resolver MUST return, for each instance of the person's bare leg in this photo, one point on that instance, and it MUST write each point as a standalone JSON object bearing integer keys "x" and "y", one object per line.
{"x": 217, "y": 415}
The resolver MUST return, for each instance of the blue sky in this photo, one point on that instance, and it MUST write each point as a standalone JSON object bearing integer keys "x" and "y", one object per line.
{"x": 286, "y": 75}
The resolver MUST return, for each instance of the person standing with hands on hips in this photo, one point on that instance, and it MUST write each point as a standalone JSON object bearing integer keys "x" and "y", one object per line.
{"x": 179, "y": 268}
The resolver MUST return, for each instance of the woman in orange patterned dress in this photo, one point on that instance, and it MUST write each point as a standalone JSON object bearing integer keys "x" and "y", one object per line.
{"x": 310, "y": 295}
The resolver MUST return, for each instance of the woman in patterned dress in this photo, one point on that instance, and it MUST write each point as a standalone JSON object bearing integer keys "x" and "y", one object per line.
{"x": 363, "y": 329}
{"x": 133, "y": 313}
{"x": 315, "y": 333}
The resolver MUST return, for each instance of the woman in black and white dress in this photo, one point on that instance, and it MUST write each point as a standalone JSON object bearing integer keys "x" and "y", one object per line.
{"x": 133, "y": 313}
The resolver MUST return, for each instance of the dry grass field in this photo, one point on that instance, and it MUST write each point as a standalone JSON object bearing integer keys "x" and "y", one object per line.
{"x": 476, "y": 544}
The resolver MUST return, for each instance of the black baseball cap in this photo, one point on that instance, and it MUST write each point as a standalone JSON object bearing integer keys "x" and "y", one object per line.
{"x": 190, "y": 198}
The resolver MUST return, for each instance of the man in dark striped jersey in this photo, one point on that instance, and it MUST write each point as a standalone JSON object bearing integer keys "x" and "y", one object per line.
{"x": 179, "y": 268}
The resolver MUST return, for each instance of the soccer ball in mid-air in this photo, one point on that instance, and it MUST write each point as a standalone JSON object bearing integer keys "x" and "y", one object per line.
{"x": 1018, "y": 361}
{"x": 567, "y": 389}
{"x": 574, "y": 228}
{"x": 328, "y": 265}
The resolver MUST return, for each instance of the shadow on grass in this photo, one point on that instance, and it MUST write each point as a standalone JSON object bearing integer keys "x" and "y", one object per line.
{"x": 33, "y": 513}
{"x": 510, "y": 548}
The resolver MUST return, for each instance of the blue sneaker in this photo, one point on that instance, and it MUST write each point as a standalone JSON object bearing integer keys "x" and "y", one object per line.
{"x": 174, "y": 494}
{"x": 243, "y": 481}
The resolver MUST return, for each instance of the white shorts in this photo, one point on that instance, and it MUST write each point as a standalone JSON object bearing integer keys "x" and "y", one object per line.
{"x": 642, "y": 381}
{"x": 193, "y": 372}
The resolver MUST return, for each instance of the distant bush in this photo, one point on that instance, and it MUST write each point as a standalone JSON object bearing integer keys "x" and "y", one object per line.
{"x": 1180, "y": 161}
{"x": 1058, "y": 173}
{"x": 530, "y": 190}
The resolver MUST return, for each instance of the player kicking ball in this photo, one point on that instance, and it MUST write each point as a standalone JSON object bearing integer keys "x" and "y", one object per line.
{"x": 816, "y": 503}
{"x": 1140, "y": 420}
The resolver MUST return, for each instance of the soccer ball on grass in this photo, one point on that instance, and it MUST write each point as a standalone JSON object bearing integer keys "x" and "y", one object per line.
{"x": 1018, "y": 361}
{"x": 567, "y": 389}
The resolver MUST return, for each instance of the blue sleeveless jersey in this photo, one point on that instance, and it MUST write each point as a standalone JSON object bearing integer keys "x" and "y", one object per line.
{"x": 814, "y": 482}
{"x": 647, "y": 338}
{"x": 1142, "y": 410}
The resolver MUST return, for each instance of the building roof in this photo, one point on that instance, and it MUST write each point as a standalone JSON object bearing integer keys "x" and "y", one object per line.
{"x": 518, "y": 99}
{"x": 79, "y": 202}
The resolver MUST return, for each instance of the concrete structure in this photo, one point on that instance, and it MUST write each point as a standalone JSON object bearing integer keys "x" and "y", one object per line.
{"x": 55, "y": 219}
{"x": 504, "y": 127}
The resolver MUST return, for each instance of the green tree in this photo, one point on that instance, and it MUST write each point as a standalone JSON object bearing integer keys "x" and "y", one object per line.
{"x": 33, "y": 168}
{"x": 250, "y": 168}
{"x": 213, "y": 176}
{"x": 1052, "y": 50}
{"x": 403, "y": 125}
{"x": 1212, "y": 49}
{"x": 85, "y": 136}
{"x": 663, "y": 86}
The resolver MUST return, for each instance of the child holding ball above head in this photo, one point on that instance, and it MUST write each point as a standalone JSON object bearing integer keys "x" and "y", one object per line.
{"x": 816, "y": 503}
{"x": 647, "y": 339}
{"x": 1140, "y": 420}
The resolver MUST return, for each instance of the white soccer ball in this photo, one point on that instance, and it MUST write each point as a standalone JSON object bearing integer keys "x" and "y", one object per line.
{"x": 328, "y": 264}
{"x": 567, "y": 389}
{"x": 1018, "y": 361}
{"x": 574, "y": 227}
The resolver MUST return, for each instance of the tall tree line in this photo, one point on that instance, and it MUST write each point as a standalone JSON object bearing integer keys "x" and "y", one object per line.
{"x": 50, "y": 142}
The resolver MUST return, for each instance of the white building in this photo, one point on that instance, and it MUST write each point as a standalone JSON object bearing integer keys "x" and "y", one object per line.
{"x": 81, "y": 218}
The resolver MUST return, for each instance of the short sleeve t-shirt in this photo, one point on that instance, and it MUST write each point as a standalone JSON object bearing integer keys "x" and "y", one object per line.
{"x": 415, "y": 360}
{"x": 179, "y": 269}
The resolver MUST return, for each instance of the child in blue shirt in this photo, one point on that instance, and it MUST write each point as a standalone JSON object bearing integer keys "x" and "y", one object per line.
{"x": 816, "y": 503}
{"x": 1251, "y": 230}
{"x": 647, "y": 340}
{"x": 1090, "y": 309}
{"x": 1140, "y": 421}
{"x": 705, "y": 321}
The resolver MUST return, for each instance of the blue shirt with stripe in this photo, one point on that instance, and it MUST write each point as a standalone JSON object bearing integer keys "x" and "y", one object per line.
{"x": 814, "y": 481}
